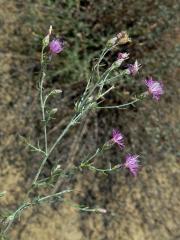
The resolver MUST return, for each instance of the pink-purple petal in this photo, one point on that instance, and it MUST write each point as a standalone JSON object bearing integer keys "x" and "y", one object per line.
{"x": 131, "y": 162}
{"x": 118, "y": 138}
{"x": 56, "y": 46}
{"x": 155, "y": 88}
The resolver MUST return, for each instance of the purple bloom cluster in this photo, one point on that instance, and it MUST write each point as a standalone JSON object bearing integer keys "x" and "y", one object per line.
{"x": 155, "y": 88}
{"x": 56, "y": 46}
{"x": 131, "y": 161}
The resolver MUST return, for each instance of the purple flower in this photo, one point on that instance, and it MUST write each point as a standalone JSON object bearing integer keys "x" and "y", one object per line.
{"x": 56, "y": 46}
{"x": 133, "y": 68}
{"x": 117, "y": 138}
{"x": 155, "y": 88}
{"x": 132, "y": 163}
{"x": 123, "y": 56}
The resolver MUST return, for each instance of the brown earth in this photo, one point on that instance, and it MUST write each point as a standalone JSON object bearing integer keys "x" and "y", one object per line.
{"x": 147, "y": 207}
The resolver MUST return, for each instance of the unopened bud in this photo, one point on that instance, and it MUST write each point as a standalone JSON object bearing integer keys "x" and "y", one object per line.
{"x": 46, "y": 41}
{"x": 101, "y": 210}
{"x": 47, "y": 38}
{"x": 53, "y": 111}
{"x": 111, "y": 42}
{"x": 50, "y": 30}
{"x": 56, "y": 91}
{"x": 57, "y": 168}
{"x": 123, "y": 55}
{"x": 117, "y": 166}
{"x": 117, "y": 63}
{"x": 107, "y": 145}
{"x": 2, "y": 193}
{"x": 143, "y": 95}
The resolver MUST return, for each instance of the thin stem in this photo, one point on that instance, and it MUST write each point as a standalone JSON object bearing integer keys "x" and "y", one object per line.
{"x": 36, "y": 149}
{"x": 115, "y": 77}
{"x": 83, "y": 208}
{"x": 105, "y": 50}
{"x": 85, "y": 162}
{"x": 88, "y": 164}
{"x": 43, "y": 66}
{"x": 53, "y": 195}
{"x": 102, "y": 170}
{"x": 104, "y": 93}
{"x": 12, "y": 217}
{"x": 72, "y": 122}
{"x": 120, "y": 106}
{"x": 47, "y": 96}
{"x": 43, "y": 116}
{"x": 104, "y": 80}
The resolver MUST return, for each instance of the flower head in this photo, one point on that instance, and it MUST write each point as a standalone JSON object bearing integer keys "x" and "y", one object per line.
{"x": 123, "y": 56}
{"x": 121, "y": 38}
{"x": 56, "y": 46}
{"x": 132, "y": 163}
{"x": 155, "y": 88}
{"x": 133, "y": 68}
{"x": 117, "y": 138}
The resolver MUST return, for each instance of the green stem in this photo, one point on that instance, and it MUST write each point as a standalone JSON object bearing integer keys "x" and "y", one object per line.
{"x": 105, "y": 50}
{"x": 71, "y": 123}
{"x": 120, "y": 106}
{"x": 13, "y": 216}
{"x": 43, "y": 67}
{"x": 53, "y": 196}
{"x": 101, "y": 169}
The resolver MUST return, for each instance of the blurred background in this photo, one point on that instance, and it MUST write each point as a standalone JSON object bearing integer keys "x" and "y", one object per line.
{"x": 147, "y": 207}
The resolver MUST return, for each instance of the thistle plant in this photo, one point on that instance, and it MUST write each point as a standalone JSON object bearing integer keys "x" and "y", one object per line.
{"x": 102, "y": 81}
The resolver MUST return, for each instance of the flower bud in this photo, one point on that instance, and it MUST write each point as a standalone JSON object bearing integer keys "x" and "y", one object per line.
{"x": 101, "y": 210}
{"x": 117, "y": 166}
{"x": 53, "y": 111}
{"x": 56, "y": 91}
{"x": 123, "y": 55}
{"x": 46, "y": 41}
{"x": 107, "y": 145}
{"x": 2, "y": 193}
{"x": 111, "y": 42}
{"x": 57, "y": 168}
{"x": 47, "y": 38}
{"x": 117, "y": 63}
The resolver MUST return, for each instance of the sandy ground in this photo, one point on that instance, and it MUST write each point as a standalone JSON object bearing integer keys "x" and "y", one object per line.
{"x": 147, "y": 207}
